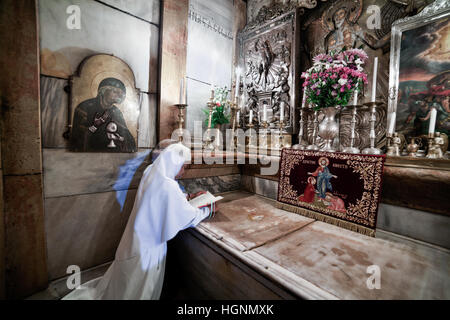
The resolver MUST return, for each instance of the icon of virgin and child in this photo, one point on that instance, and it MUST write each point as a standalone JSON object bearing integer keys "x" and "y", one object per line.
{"x": 319, "y": 189}
{"x": 99, "y": 125}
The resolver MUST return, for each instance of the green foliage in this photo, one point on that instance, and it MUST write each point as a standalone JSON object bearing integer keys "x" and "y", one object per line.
{"x": 220, "y": 114}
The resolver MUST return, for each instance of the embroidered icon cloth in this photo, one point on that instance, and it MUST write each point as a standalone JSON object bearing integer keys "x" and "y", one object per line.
{"x": 339, "y": 188}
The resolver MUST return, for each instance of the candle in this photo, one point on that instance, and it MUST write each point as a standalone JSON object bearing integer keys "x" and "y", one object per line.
{"x": 250, "y": 120}
{"x": 374, "y": 81}
{"x": 237, "y": 116}
{"x": 181, "y": 91}
{"x": 392, "y": 123}
{"x": 432, "y": 121}
{"x": 355, "y": 96}
{"x": 185, "y": 90}
{"x": 304, "y": 99}
{"x": 238, "y": 77}
{"x": 282, "y": 111}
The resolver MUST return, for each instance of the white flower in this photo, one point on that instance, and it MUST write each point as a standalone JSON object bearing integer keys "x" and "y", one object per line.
{"x": 359, "y": 61}
{"x": 360, "y": 69}
{"x": 342, "y": 81}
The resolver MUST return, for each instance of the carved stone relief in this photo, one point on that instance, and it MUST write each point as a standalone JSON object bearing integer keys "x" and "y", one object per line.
{"x": 268, "y": 55}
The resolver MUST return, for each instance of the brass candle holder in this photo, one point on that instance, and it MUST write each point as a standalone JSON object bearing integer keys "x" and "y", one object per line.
{"x": 412, "y": 148}
{"x": 234, "y": 124}
{"x": 302, "y": 144}
{"x": 181, "y": 119}
{"x": 208, "y": 145}
{"x": 352, "y": 148}
{"x": 372, "y": 135}
{"x": 313, "y": 145}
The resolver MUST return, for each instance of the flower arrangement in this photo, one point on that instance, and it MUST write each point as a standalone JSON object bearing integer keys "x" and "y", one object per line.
{"x": 219, "y": 115}
{"x": 334, "y": 77}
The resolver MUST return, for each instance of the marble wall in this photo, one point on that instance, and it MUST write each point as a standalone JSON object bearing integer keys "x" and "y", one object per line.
{"x": 209, "y": 53}
{"x": 89, "y": 196}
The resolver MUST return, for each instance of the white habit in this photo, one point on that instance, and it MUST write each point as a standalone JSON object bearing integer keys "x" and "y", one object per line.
{"x": 160, "y": 211}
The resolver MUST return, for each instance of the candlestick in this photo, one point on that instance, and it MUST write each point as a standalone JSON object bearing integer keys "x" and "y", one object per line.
{"x": 372, "y": 135}
{"x": 313, "y": 145}
{"x": 265, "y": 113}
{"x": 374, "y": 81}
{"x": 432, "y": 121}
{"x": 352, "y": 148}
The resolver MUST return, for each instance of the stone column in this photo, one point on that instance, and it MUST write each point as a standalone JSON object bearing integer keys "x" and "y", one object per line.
{"x": 25, "y": 253}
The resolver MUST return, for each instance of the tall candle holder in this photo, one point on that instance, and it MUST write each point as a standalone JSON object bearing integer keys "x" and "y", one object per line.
{"x": 181, "y": 120}
{"x": 250, "y": 127}
{"x": 302, "y": 144}
{"x": 280, "y": 144}
{"x": 208, "y": 145}
{"x": 352, "y": 148}
{"x": 234, "y": 124}
{"x": 313, "y": 145}
{"x": 372, "y": 135}
{"x": 264, "y": 129}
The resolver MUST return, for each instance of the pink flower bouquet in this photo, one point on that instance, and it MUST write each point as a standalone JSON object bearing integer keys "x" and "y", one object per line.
{"x": 334, "y": 77}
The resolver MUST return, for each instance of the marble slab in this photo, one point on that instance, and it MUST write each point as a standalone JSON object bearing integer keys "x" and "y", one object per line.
{"x": 214, "y": 185}
{"x": 72, "y": 173}
{"x": 103, "y": 30}
{"x": 420, "y": 225}
{"x": 85, "y": 230}
{"x": 264, "y": 187}
{"x": 209, "y": 54}
{"x": 248, "y": 221}
{"x": 336, "y": 260}
{"x": 144, "y": 9}
{"x": 54, "y": 112}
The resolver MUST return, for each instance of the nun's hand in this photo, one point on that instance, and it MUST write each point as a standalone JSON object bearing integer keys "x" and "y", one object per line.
{"x": 213, "y": 208}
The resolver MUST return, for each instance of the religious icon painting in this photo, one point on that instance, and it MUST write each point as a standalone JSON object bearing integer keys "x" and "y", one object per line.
{"x": 104, "y": 106}
{"x": 338, "y": 188}
{"x": 420, "y": 71}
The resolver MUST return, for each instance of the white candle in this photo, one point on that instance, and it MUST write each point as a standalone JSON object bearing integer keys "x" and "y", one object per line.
{"x": 432, "y": 121}
{"x": 185, "y": 90}
{"x": 237, "y": 116}
{"x": 392, "y": 123}
{"x": 374, "y": 80}
{"x": 304, "y": 99}
{"x": 250, "y": 120}
{"x": 181, "y": 91}
{"x": 282, "y": 111}
{"x": 238, "y": 76}
{"x": 264, "y": 112}
{"x": 355, "y": 97}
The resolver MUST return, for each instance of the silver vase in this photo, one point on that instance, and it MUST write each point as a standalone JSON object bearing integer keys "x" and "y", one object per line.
{"x": 329, "y": 128}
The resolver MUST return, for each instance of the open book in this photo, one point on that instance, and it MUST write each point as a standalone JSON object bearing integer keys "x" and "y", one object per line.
{"x": 204, "y": 200}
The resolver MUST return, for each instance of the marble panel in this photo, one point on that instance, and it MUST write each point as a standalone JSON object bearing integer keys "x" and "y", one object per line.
{"x": 103, "y": 30}
{"x": 148, "y": 121}
{"x": 212, "y": 184}
{"x": 85, "y": 230}
{"x": 144, "y": 9}
{"x": 71, "y": 173}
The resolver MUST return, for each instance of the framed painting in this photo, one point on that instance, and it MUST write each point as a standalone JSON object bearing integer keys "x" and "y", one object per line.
{"x": 104, "y": 106}
{"x": 420, "y": 71}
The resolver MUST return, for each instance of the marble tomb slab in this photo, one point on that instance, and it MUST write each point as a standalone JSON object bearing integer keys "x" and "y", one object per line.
{"x": 336, "y": 260}
{"x": 246, "y": 221}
